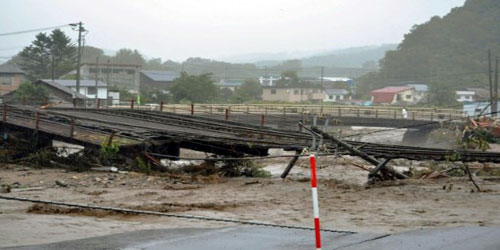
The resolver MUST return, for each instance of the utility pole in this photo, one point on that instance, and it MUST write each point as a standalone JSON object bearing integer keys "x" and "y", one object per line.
{"x": 322, "y": 74}
{"x": 108, "y": 71}
{"x": 79, "y": 56}
{"x": 490, "y": 78}
{"x": 267, "y": 80}
{"x": 96, "y": 79}
{"x": 53, "y": 67}
{"x": 495, "y": 101}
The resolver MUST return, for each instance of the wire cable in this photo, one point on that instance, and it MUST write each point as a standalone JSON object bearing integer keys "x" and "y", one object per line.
{"x": 33, "y": 30}
{"x": 179, "y": 216}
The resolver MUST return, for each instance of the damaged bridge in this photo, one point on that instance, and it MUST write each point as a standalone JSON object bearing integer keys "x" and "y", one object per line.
{"x": 165, "y": 133}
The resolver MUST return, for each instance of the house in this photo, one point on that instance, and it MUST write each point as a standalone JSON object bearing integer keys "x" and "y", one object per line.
{"x": 156, "y": 80}
{"x": 269, "y": 80}
{"x": 393, "y": 94}
{"x": 421, "y": 90}
{"x": 335, "y": 95}
{"x": 87, "y": 87}
{"x": 58, "y": 94}
{"x": 125, "y": 76}
{"x": 10, "y": 78}
{"x": 465, "y": 95}
{"x": 229, "y": 84}
{"x": 480, "y": 94}
{"x": 478, "y": 108}
{"x": 348, "y": 81}
{"x": 293, "y": 94}
{"x": 338, "y": 83}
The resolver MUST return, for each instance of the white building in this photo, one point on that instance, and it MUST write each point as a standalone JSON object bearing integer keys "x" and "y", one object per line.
{"x": 465, "y": 95}
{"x": 335, "y": 95}
{"x": 269, "y": 80}
{"x": 87, "y": 87}
{"x": 421, "y": 90}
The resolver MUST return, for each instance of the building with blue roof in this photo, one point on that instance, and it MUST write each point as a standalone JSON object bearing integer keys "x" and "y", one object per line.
{"x": 156, "y": 80}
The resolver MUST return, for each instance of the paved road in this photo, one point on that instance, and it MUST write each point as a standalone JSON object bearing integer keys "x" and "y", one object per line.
{"x": 249, "y": 237}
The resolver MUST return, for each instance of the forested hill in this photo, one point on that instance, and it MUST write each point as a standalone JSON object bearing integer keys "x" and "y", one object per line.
{"x": 448, "y": 52}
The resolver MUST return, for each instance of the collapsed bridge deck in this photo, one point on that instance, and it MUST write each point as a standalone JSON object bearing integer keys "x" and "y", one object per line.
{"x": 164, "y": 133}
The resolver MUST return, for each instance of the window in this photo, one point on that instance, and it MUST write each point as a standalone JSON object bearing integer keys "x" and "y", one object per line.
{"x": 273, "y": 92}
{"x": 117, "y": 70}
{"x": 330, "y": 97}
{"x": 296, "y": 92}
{"x": 91, "y": 91}
{"x": 408, "y": 97}
{"x": 92, "y": 70}
{"x": 105, "y": 71}
{"x": 5, "y": 81}
{"x": 130, "y": 71}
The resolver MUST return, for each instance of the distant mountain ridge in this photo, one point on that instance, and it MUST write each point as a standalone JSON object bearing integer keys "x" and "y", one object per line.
{"x": 349, "y": 57}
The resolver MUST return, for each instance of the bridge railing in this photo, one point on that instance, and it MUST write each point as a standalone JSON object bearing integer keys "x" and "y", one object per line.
{"x": 326, "y": 110}
{"x": 389, "y": 112}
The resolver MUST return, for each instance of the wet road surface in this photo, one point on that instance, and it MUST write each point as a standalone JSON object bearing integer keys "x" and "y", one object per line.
{"x": 250, "y": 237}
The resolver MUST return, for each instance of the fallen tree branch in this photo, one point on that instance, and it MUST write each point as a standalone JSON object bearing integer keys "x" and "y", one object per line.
{"x": 361, "y": 154}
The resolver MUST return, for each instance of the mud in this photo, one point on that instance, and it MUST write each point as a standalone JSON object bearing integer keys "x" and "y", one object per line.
{"x": 345, "y": 202}
{"x": 162, "y": 207}
{"x": 52, "y": 209}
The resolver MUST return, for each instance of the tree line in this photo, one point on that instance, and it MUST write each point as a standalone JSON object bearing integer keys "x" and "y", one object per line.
{"x": 448, "y": 53}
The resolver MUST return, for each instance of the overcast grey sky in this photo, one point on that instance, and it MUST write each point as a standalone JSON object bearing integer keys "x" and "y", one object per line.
{"x": 178, "y": 29}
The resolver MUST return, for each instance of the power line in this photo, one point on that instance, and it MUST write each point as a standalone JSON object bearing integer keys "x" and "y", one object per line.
{"x": 11, "y": 48}
{"x": 180, "y": 216}
{"x": 33, "y": 30}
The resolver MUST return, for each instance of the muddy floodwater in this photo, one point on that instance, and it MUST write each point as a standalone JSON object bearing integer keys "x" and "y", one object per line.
{"x": 345, "y": 203}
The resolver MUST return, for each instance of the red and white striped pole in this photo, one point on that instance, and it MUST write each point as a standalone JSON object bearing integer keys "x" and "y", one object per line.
{"x": 314, "y": 187}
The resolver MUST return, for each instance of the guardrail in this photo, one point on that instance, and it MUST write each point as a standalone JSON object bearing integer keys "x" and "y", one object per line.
{"x": 320, "y": 110}
{"x": 391, "y": 112}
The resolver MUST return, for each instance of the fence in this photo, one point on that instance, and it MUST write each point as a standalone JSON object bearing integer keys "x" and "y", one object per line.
{"x": 390, "y": 112}
{"x": 320, "y": 110}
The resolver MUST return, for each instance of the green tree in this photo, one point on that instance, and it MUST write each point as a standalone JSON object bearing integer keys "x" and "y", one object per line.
{"x": 289, "y": 78}
{"x": 125, "y": 95}
{"x": 154, "y": 64}
{"x": 63, "y": 52}
{"x": 292, "y": 65}
{"x": 225, "y": 95}
{"x": 442, "y": 95}
{"x": 35, "y": 58}
{"x": 155, "y": 96}
{"x": 194, "y": 88}
{"x": 48, "y": 54}
{"x": 30, "y": 93}
{"x": 451, "y": 50}
{"x": 128, "y": 56}
{"x": 249, "y": 91}
{"x": 90, "y": 54}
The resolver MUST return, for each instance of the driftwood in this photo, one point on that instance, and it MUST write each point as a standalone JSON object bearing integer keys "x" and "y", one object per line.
{"x": 380, "y": 166}
{"x": 291, "y": 164}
